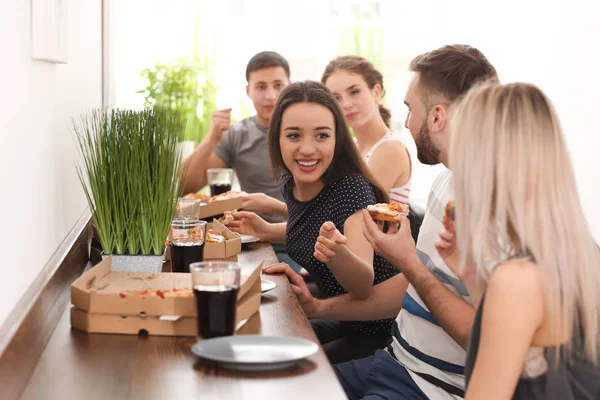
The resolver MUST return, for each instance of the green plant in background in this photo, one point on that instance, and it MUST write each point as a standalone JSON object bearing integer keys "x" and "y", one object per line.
{"x": 365, "y": 38}
{"x": 206, "y": 79}
{"x": 243, "y": 112}
{"x": 208, "y": 95}
{"x": 130, "y": 176}
{"x": 184, "y": 85}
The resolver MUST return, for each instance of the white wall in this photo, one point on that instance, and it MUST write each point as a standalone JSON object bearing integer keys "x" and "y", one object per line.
{"x": 41, "y": 197}
{"x": 552, "y": 43}
{"x": 578, "y": 107}
{"x": 555, "y": 45}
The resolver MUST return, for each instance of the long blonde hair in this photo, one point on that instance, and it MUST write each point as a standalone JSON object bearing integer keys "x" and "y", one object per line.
{"x": 516, "y": 194}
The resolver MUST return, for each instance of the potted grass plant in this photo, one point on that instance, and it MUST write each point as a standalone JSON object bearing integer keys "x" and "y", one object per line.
{"x": 129, "y": 170}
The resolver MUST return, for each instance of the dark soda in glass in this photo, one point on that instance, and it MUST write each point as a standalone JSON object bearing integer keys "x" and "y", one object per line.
{"x": 218, "y": 188}
{"x": 216, "y": 307}
{"x": 183, "y": 254}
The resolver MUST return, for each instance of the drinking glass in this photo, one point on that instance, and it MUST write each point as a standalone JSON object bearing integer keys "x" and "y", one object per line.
{"x": 216, "y": 285}
{"x": 219, "y": 180}
{"x": 188, "y": 208}
{"x": 187, "y": 237}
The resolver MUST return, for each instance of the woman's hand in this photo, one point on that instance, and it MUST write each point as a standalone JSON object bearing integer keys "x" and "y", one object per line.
{"x": 262, "y": 203}
{"x": 309, "y": 304}
{"x": 328, "y": 243}
{"x": 250, "y": 224}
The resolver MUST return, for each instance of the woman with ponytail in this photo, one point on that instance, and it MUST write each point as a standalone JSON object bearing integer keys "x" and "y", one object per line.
{"x": 358, "y": 87}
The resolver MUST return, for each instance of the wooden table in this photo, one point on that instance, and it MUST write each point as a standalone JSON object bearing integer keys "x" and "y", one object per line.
{"x": 77, "y": 365}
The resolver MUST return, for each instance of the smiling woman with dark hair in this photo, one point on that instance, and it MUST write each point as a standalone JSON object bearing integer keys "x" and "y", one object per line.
{"x": 325, "y": 185}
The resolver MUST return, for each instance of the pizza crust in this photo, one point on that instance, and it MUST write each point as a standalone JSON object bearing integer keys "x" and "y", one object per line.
{"x": 227, "y": 217}
{"x": 384, "y": 217}
{"x": 198, "y": 196}
{"x": 392, "y": 212}
{"x": 450, "y": 210}
{"x": 232, "y": 194}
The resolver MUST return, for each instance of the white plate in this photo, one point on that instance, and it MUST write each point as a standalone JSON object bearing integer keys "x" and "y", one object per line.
{"x": 266, "y": 285}
{"x": 255, "y": 352}
{"x": 248, "y": 238}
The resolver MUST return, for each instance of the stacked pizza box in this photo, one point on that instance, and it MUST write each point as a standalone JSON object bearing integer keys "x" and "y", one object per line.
{"x": 105, "y": 301}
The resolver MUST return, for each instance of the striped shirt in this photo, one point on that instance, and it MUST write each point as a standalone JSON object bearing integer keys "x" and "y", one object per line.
{"x": 419, "y": 342}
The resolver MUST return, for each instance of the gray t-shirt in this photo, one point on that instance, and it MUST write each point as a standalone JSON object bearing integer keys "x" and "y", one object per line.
{"x": 244, "y": 148}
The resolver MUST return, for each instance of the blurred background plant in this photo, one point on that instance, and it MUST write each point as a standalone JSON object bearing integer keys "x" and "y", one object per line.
{"x": 365, "y": 37}
{"x": 185, "y": 85}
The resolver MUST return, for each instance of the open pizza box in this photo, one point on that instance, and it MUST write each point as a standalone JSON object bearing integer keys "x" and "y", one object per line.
{"x": 128, "y": 302}
{"x": 231, "y": 247}
{"x": 226, "y": 251}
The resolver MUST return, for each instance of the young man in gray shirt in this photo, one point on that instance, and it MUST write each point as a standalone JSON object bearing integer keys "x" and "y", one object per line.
{"x": 243, "y": 145}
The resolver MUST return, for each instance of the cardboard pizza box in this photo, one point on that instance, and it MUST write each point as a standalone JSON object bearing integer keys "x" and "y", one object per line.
{"x": 224, "y": 251}
{"x": 247, "y": 306}
{"x": 219, "y": 207}
{"x": 232, "y": 245}
{"x": 102, "y": 291}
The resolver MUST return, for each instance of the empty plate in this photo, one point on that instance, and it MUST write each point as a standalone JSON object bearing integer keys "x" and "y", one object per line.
{"x": 255, "y": 352}
{"x": 266, "y": 285}
{"x": 248, "y": 238}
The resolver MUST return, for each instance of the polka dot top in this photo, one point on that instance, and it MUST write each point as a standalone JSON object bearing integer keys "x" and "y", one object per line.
{"x": 336, "y": 202}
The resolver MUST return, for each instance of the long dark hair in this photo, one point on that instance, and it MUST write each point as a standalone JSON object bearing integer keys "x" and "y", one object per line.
{"x": 346, "y": 159}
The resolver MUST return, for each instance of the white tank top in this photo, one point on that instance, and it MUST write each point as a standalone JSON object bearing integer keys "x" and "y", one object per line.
{"x": 399, "y": 194}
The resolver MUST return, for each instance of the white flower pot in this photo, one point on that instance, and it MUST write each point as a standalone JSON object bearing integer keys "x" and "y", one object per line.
{"x": 136, "y": 263}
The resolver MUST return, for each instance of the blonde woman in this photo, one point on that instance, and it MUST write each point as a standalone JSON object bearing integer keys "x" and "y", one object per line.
{"x": 525, "y": 252}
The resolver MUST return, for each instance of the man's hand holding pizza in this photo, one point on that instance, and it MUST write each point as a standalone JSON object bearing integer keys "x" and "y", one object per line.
{"x": 396, "y": 245}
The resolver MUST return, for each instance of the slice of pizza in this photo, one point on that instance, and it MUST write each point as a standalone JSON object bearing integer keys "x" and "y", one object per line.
{"x": 388, "y": 211}
{"x": 185, "y": 292}
{"x": 141, "y": 293}
{"x": 226, "y": 196}
{"x": 199, "y": 196}
{"x": 227, "y": 217}
{"x": 214, "y": 237}
{"x": 450, "y": 210}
